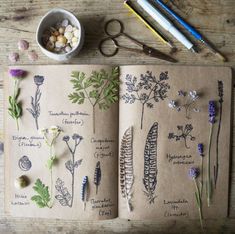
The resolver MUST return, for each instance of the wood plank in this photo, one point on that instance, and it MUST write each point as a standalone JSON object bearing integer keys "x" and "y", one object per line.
{"x": 214, "y": 18}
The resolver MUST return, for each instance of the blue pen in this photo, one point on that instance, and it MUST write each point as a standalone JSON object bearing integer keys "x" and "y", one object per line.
{"x": 190, "y": 29}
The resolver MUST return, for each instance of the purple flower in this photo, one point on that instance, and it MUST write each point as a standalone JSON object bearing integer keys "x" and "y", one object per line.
{"x": 193, "y": 172}
{"x": 77, "y": 137}
{"x": 212, "y": 111}
{"x": 200, "y": 149}
{"x": 66, "y": 138}
{"x": 181, "y": 93}
{"x": 38, "y": 80}
{"x": 17, "y": 73}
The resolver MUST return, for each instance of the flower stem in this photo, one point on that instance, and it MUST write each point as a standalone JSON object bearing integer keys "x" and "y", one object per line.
{"x": 208, "y": 168}
{"x": 199, "y": 203}
{"x": 17, "y": 124}
{"x": 201, "y": 190}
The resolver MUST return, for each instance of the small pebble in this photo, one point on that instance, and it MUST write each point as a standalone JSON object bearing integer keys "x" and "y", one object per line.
{"x": 68, "y": 49}
{"x": 50, "y": 45}
{"x": 69, "y": 28}
{"x": 52, "y": 38}
{"x": 13, "y": 57}
{"x": 76, "y": 33}
{"x": 23, "y": 44}
{"x": 61, "y": 30}
{"x": 59, "y": 44}
{"x": 65, "y": 23}
{"x": 68, "y": 35}
{"x": 74, "y": 39}
{"x": 62, "y": 39}
{"x": 32, "y": 55}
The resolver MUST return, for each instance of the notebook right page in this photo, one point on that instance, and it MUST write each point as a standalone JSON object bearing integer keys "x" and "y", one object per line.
{"x": 174, "y": 142}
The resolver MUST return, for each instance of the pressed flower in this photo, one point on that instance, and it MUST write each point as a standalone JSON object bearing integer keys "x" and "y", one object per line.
{"x": 200, "y": 149}
{"x": 17, "y": 73}
{"x": 172, "y": 104}
{"x": 193, "y": 95}
{"x": 42, "y": 131}
{"x": 193, "y": 174}
{"x": 84, "y": 193}
{"x": 23, "y": 44}
{"x": 77, "y": 137}
{"x": 181, "y": 93}
{"x": 212, "y": 116}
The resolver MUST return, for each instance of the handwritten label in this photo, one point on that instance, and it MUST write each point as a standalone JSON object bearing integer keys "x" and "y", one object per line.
{"x": 24, "y": 141}
{"x": 103, "y": 205}
{"x": 180, "y": 159}
{"x": 102, "y": 148}
{"x": 20, "y": 200}
{"x": 174, "y": 208}
{"x": 69, "y": 118}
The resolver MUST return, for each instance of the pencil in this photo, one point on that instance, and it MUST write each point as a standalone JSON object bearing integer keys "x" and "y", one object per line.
{"x": 128, "y": 4}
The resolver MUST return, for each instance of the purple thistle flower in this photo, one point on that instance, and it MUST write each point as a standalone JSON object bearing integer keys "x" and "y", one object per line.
{"x": 212, "y": 111}
{"x": 17, "y": 73}
{"x": 193, "y": 172}
{"x": 200, "y": 149}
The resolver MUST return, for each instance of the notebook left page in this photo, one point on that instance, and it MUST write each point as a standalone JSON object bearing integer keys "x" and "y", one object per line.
{"x": 61, "y": 138}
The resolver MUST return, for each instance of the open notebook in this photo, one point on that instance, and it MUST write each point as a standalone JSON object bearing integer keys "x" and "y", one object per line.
{"x": 126, "y": 147}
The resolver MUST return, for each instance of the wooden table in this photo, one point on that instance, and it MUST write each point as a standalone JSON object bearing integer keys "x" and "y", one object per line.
{"x": 214, "y": 18}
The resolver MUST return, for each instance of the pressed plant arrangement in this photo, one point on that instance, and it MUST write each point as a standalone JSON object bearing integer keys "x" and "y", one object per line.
{"x": 99, "y": 89}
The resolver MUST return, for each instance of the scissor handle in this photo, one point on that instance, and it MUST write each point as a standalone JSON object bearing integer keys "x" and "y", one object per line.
{"x": 115, "y": 34}
{"x": 102, "y": 42}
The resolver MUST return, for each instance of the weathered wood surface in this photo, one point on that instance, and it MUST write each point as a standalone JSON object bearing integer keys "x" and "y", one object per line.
{"x": 214, "y": 18}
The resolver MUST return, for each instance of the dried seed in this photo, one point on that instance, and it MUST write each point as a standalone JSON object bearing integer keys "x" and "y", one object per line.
{"x": 32, "y": 55}
{"x": 13, "y": 57}
{"x": 61, "y": 30}
{"x": 52, "y": 39}
{"x": 76, "y": 33}
{"x": 23, "y": 45}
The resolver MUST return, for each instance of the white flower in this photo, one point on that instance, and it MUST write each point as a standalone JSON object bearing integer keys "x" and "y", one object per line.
{"x": 193, "y": 95}
{"x": 42, "y": 131}
{"x": 172, "y": 104}
{"x": 54, "y": 129}
{"x": 196, "y": 110}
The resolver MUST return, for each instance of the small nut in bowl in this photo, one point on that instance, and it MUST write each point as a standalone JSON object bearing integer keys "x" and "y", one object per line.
{"x": 60, "y": 35}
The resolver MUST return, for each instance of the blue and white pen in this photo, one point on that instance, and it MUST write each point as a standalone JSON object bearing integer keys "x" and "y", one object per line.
{"x": 166, "y": 24}
{"x": 190, "y": 29}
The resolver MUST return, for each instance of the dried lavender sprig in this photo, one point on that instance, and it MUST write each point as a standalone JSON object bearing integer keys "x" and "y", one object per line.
{"x": 200, "y": 148}
{"x": 220, "y": 94}
{"x": 193, "y": 174}
{"x": 84, "y": 191}
{"x": 212, "y": 115}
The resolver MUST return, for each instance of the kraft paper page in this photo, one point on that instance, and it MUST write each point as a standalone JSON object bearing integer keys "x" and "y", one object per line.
{"x": 79, "y": 150}
{"x": 160, "y": 141}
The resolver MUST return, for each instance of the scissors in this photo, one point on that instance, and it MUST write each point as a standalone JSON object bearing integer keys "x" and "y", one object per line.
{"x": 113, "y": 36}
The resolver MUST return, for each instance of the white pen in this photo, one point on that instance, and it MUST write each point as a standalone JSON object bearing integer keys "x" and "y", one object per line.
{"x": 166, "y": 24}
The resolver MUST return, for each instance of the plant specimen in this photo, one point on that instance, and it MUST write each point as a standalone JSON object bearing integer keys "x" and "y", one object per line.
{"x": 15, "y": 107}
{"x": 50, "y": 136}
{"x": 84, "y": 191}
{"x": 188, "y": 103}
{"x": 221, "y": 100}
{"x": 126, "y": 167}
{"x": 97, "y": 176}
{"x": 64, "y": 197}
{"x": 212, "y": 115}
{"x": 193, "y": 174}
{"x": 43, "y": 198}
{"x": 147, "y": 91}
{"x": 200, "y": 148}
{"x": 21, "y": 182}
{"x": 35, "y": 101}
{"x": 101, "y": 89}
{"x": 150, "y": 164}
{"x": 185, "y": 133}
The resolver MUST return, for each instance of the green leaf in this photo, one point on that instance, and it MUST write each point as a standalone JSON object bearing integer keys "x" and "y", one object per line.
{"x": 94, "y": 94}
{"x": 77, "y": 98}
{"x": 43, "y": 197}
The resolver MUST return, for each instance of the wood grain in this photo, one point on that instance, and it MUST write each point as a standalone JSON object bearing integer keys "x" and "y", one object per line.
{"x": 214, "y": 18}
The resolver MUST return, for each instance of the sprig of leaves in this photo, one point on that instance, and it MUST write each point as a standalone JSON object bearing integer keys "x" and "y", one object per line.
{"x": 100, "y": 88}
{"x": 43, "y": 198}
{"x": 15, "y": 107}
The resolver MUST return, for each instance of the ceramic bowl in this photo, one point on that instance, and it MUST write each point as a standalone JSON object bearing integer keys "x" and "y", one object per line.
{"x": 50, "y": 19}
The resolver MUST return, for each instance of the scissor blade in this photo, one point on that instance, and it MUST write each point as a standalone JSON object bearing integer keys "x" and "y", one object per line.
{"x": 157, "y": 54}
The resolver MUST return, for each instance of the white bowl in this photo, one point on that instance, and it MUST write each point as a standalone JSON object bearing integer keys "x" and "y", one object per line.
{"x": 50, "y": 19}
